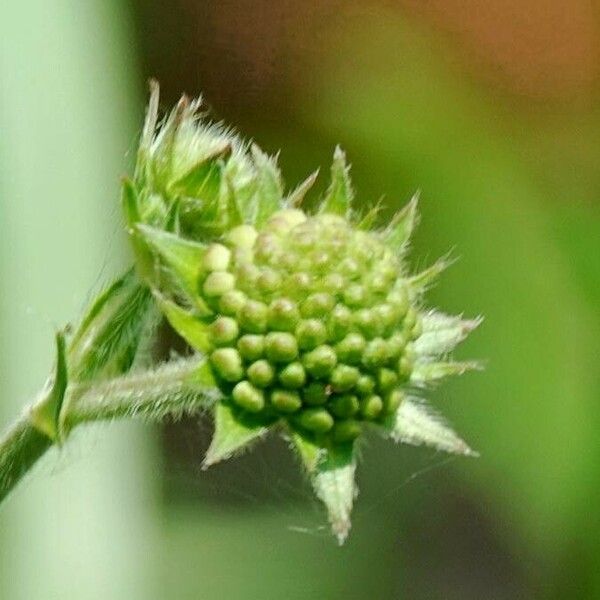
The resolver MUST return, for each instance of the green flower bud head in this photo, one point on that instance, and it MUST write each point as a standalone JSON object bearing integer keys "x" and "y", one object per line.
{"x": 308, "y": 319}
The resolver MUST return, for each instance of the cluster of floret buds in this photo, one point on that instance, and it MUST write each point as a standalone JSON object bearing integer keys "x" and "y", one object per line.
{"x": 306, "y": 319}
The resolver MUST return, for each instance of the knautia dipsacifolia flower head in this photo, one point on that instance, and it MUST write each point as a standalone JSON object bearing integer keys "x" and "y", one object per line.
{"x": 310, "y": 322}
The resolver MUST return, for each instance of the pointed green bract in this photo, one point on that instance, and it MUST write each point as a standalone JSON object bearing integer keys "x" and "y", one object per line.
{"x": 203, "y": 180}
{"x": 107, "y": 341}
{"x": 232, "y": 435}
{"x": 423, "y": 280}
{"x": 339, "y": 196}
{"x": 269, "y": 187}
{"x": 310, "y": 453}
{"x": 427, "y": 372}
{"x": 230, "y": 205}
{"x": 442, "y": 333}
{"x": 46, "y": 414}
{"x": 403, "y": 224}
{"x": 296, "y": 197}
{"x": 416, "y": 424}
{"x": 129, "y": 201}
{"x": 161, "y": 168}
{"x": 333, "y": 481}
{"x": 181, "y": 258}
{"x": 186, "y": 324}
{"x": 203, "y": 376}
{"x": 368, "y": 220}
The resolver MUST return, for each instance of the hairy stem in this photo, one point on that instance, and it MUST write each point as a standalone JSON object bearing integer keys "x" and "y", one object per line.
{"x": 174, "y": 389}
{"x": 20, "y": 448}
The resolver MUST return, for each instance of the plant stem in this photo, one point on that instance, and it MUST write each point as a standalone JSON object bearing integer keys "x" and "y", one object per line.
{"x": 20, "y": 448}
{"x": 177, "y": 388}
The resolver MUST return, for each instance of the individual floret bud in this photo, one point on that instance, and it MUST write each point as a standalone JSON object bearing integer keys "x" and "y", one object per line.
{"x": 399, "y": 299}
{"x": 248, "y": 397}
{"x": 376, "y": 354}
{"x": 261, "y": 373}
{"x": 343, "y": 378}
{"x": 253, "y": 316}
{"x": 321, "y": 361}
{"x": 396, "y": 344}
{"x": 317, "y": 305}
{"x": 216, "y": 258}
{"x": 293, "y": 376}
{"x": 316, "y": 420}
{"x": 268, "y": 281}
{"x": 365, "y": 385}
{"x": 344, "y": 406}
{"x": 392, "y": 401}
{"x": 218, "y": 283}
{"x": 410, "y": 320}
{"x": 350, "y": 268}
{"x": 315, "y": 393}
{"x": 387, "y": 316}
{"x": 266, "y": 247}
{"x": 351, "y": 348}
{"x": 227, "y": 362}
{"x": 371, "y": 407}
{"x": 285, "y": 220}
{"x": 224, "y": 331}
{"x": 298, "y": 284}
{"x": 321, "y": 261}
{"x": 405, "y": 366}
{"x": 417, "y": 329}
{"x": 281, "y": 347}
{"x": 368, "y": 323}
{"x": 247, "y": 276}
{"x": 310, "y": 334}
{"x": 333, "y": 283}
{"x": 231, "y": 302}
{"x": 355, "y": 295}
{"x": 378, "y": 284}
{"x": 346, "y": 431}
{"x": 286, "y": 401}
{"x": 340, "y": 322}
{"x": 251, "y": 347}
{"x": 386, "y": 379}
{"x": 242, "y": 236}
{"x": 283, "y": 314}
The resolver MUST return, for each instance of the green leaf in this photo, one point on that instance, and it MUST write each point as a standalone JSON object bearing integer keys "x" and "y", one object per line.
{"x": 402, "y": 226}
{"x": 339, "y": 196}
{"x": 296, "y": 197}
{"x": 442, "y": 333}
{"x": 203, "y": 180}
{"x": 416, "y": 424}
{"x": 269, "y": 187}
{"x": 186, "y": 324}
{"x": 45, "y": 415}
{"x": 181, "y": 258}
{"x": 107, "y": 340}
{"x": 233, "y": 434}
{"x": 333, "y": 482}
{"x": 428, "y": 372}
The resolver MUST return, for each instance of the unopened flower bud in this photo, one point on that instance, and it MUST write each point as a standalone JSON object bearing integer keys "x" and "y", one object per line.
{"x": 248, "y": 397}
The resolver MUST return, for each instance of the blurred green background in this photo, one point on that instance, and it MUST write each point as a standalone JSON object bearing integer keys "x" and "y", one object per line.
{"x": 492, "y": 110}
